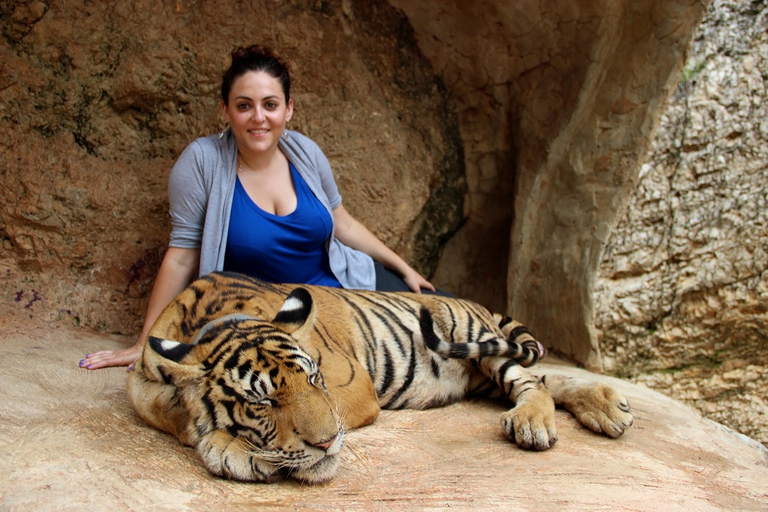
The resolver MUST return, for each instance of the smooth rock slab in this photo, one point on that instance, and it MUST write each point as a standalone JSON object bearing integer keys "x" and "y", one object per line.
{"x": 69, "y": 440}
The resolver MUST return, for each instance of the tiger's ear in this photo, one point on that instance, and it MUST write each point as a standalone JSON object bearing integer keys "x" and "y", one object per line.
{"x": 172, "y": 350}
{"x": 164, "y": 360}
{"x": 297, "y": 316}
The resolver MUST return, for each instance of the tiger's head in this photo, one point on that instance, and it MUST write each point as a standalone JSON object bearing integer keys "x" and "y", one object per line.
{"x": 258, "y": 406}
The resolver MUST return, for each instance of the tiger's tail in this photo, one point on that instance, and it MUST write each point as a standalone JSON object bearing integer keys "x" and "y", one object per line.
{"x": 519, "y": 344}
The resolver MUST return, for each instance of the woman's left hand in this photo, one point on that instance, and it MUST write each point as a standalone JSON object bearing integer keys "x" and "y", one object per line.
{"x": 416, "y": 281}
{"x": 350, "y": 232}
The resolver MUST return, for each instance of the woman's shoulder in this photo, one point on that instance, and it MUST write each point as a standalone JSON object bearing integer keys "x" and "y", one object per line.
{"x": 209, "y": 144}
{"x": 203, "y": 156}
{"x": 208, "y": 150}
{"x": 300, "y": 141}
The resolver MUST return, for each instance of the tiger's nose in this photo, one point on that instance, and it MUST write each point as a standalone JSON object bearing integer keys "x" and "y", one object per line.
{"x": 326, "y": 444}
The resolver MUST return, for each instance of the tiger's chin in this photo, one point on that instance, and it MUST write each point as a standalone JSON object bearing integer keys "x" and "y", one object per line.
{"x": 319, "y": 472}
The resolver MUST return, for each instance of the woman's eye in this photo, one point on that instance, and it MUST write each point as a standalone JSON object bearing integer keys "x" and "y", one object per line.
{"x": 271, "y": 105}
{"x": 242, "y": 106}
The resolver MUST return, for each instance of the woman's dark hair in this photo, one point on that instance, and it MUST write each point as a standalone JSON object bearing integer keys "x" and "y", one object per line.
{"x": 255, "y": 58}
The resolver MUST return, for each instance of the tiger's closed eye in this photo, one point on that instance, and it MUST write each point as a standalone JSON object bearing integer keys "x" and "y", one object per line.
{"x": 271, "y": 402}
{"x": 259, "y": 398}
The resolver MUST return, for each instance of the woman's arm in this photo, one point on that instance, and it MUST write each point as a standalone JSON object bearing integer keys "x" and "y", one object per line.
{"x": 177, "y": 270}
{"x": 353, "y": 234}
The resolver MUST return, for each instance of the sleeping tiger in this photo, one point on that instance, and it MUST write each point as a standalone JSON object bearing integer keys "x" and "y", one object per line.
{"x": 265, "y": 379}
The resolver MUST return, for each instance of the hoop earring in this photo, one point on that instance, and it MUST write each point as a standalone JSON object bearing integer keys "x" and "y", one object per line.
{"x": 224, "y": 131}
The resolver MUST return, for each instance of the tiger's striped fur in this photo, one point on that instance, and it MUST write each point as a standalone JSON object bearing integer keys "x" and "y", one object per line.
{"x": 264, "y": 379}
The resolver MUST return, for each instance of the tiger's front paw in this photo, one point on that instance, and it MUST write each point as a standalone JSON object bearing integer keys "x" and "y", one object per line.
{"x": 531, "y": 423}
{"x": 231, "y": 457}
{"x": 597, "y": 406}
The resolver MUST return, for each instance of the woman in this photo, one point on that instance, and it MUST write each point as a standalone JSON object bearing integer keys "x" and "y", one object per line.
{"x": 261, "y": 200}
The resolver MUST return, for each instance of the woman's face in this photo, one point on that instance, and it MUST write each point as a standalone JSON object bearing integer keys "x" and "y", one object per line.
{"x": 257, "y": 112}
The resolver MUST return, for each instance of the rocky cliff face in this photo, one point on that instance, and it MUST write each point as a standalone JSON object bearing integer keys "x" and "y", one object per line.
{"x": 98, "y": 98}
{"x": 682, "y": 291}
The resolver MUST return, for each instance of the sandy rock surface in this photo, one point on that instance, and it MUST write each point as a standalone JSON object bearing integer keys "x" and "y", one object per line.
{"x": 70, "y": 441}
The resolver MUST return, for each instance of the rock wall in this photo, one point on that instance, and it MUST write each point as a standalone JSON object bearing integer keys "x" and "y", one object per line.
{"x": 682, "y": 291}
{"x": 98, "y": 98}
{"x": 548, "y": 107}
{"x": 557, "y": 103}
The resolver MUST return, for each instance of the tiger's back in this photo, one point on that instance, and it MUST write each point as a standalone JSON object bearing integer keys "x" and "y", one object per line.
{"x": 379, "y": 332}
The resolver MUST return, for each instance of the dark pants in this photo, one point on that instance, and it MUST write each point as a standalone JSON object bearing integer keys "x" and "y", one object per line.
{"x": 388, "y": 281}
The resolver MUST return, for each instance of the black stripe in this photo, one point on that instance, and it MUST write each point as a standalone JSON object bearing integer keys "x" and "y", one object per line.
{"x": 208, "y": 403}
{"x": 504, "y": 321}
{"x": 470, "y": 327}
{"x": 184, "y": 325}
{"x": 511, "y": 363}
{"x": 459, "y": 351}
{"x": 435, "y": 367}
{"x": 389, "y": 372}
{"x": 227, "y": 389}
{"x": 361, "y": 316}
{"x": 408, "y": 378}
{"x": 233, "y": 360}
{"x": 517, "y": 332}
{"x": 164, "y": 375}
{"x": 489, "y": 348}
{"x": 352, "y": 374}
{"x": 222, "y": 350}
{"x": 427, "y": 329}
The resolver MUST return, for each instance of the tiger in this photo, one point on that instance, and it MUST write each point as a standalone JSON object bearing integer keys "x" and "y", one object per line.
{"x": 264, "y": 380}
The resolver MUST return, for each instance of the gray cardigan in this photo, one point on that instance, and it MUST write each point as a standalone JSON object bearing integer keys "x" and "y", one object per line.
{"x": 201, "y": 188}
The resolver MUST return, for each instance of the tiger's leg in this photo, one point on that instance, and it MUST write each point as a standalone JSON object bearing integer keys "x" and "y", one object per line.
{"x": 531, "y": 423}
{"x": 158, "y": 404}
{"x": 596, "y": 406}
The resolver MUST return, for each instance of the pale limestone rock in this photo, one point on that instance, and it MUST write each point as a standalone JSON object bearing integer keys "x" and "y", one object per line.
{"x": 682, "y": 291}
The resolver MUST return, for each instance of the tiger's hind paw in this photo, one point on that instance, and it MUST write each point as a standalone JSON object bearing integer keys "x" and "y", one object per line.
{"x": 531, "y": 423}
{"x": 597, "y": 406}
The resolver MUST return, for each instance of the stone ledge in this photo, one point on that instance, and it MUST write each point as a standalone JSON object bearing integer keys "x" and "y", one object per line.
{"x": 72, "y": 442}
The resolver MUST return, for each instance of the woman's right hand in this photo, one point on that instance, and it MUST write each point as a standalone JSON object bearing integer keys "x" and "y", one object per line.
{"x": 108, "y": 358}
{"x": 176, "y": 272}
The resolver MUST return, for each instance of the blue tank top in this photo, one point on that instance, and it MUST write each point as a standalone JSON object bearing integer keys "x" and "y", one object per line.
{"x": 280, "y": 249}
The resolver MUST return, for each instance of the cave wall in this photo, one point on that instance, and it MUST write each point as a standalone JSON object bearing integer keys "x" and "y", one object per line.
{"x": 557, "y": 103}
{"x": 682, "y": 289}
{"x": 97, "y": 99}
{"x": 493, "y": 143}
